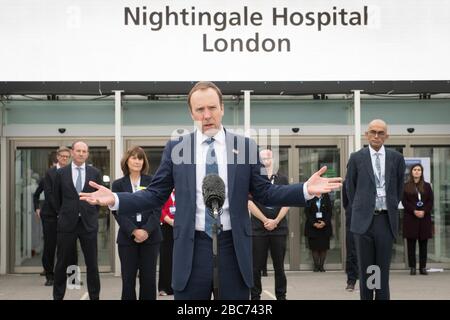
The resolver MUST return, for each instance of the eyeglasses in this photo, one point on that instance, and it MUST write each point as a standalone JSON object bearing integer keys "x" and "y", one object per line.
{"x": 64, "y": 157}
{"x": 374, "y": 133}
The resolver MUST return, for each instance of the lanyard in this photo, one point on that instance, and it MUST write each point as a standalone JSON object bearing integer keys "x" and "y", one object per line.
{"x": 418, "y": 195}
{"x": 136, "y": 186}
{"x": 318, "y": 201}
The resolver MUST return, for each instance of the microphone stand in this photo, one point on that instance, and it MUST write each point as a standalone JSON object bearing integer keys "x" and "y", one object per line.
{"x": 215, "y": 230}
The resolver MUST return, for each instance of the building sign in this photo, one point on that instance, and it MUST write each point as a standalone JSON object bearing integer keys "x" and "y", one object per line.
{"x": 232, "y": 40}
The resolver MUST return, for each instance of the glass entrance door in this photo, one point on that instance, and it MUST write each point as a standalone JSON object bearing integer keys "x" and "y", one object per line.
{"x": 439, "y": 159}
{"x": 29, "y": 163}
{"x": 312, "y": 158}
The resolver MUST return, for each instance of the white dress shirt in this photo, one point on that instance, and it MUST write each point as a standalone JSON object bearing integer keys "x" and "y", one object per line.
{"x": 220, "y": 148}
{"x": 373, "y": 157}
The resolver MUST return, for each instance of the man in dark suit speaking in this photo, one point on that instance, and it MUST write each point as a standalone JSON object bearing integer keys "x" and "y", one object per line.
{"x": 76, "y": 220}
{"x": 374, "y": 185}
{"x": 185, "y": 162}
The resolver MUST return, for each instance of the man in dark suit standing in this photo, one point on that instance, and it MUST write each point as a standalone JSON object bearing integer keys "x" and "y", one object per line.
{"x": 47, "y": 214}
{"x": 374, "y": 187}
{"x": 185, "y": 162}
{"x": 76, "y": 220}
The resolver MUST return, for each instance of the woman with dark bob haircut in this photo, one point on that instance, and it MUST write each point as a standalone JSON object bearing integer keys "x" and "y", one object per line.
{"x": 139, "y": 234}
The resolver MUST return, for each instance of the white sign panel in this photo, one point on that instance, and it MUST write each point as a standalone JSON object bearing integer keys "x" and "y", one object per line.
{"x": 224, "y": 40}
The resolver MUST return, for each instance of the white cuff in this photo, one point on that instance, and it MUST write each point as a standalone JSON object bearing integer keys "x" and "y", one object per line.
{"x": 115, "y": 207}
{"x": 305, "y": 192}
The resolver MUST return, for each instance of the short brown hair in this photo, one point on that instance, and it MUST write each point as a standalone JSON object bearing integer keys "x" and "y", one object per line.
{"x": 140, "y": 154}
{"x": 203, "y": 85}
{"x": 62, "y": 149}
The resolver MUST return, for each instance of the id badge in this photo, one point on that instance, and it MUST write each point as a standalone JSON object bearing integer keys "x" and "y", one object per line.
{"x": 319, "y": 215}
{"x": 139, "y": 217}
{"x": 381, "y": 192}
{"x": 172, "y": 210}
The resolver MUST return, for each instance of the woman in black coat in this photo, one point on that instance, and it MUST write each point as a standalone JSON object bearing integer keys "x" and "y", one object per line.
{"x": 139, "y": 235}
{"x": 318, "y": 229}
{"x": 418, "y": 203}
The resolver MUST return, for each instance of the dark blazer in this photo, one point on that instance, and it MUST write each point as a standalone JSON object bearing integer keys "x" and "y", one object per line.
{"x": 413, "y": 227}
{"x": 178, "y": 170}
{"x": 128, "y": 223}
{"x": 361, "y": 188}
{"x": 311, "y": 210}
{"x": 46, "y": 184}
{"x": 67, "y": 202}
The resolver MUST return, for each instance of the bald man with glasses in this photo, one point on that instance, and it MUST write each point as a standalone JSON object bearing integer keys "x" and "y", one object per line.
{"x": 374, "y": 185}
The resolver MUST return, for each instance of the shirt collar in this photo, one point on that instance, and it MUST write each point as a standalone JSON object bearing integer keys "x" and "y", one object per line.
{"x": 219, "y": 137}
{"x": 381, "y": 151}
{"x": 83, "y": 166}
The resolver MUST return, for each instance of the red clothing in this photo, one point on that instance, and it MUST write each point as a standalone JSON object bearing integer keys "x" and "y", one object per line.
{"x": 165, "y": 211}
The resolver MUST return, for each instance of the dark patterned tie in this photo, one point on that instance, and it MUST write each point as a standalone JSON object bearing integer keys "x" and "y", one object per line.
{"x": 211, "y": 168}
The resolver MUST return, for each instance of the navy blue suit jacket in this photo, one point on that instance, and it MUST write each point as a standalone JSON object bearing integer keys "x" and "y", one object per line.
{"x": 128, "y": 223}
{"x": 361, "y": 188}
{"x": 177, "y": 170}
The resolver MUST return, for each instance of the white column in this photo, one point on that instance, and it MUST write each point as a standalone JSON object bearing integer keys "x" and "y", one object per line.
{"x": 3, "y": 196}
{"x": 247, "y": 112}
{"x": 357, "y": 119}
{"x": 118, "y": 151}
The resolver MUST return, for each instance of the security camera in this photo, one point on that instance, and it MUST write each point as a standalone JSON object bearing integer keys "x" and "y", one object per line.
{"x": 295, "y": 130}
{"x": 410, "y": 130}
{"x": 61, "y": 130}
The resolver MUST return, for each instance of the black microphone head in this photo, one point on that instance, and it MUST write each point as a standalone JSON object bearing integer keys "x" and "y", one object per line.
{"x": 213, "y": 190}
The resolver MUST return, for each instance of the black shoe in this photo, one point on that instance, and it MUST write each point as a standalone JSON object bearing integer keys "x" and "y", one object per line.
{"x": 281, "y": 298}
{"x": 423, "y": 271}
{"x": 316, "y": 269}
{"x": 412, "y": 271}
{"x": 43, "y": 273}
{"x": 48, "y": 283}
{"x": 350, "y": 287}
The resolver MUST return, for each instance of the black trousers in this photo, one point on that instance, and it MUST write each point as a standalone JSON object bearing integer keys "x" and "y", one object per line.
{"x": 374, "y": 251}
{"x": 50, "y": 238}
{"x": 140, "y": 257}
{"x": 411, "y": 244}
{"x": 261, "y": 246}
{"x": 351, "y": 260}
{"x": 165, "y": 259}
{"x": 66, "y": 242}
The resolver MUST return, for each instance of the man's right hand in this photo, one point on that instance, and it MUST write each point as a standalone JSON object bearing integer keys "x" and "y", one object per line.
{"x": 38, "y": 213}
{"x": 102, "y": 197}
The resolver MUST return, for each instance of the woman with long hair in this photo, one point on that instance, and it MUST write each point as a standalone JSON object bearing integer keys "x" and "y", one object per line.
{"x": 418, "y": 204}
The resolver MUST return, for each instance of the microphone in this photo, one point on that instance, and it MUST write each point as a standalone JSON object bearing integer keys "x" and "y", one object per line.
{"x": 213, "y": 190}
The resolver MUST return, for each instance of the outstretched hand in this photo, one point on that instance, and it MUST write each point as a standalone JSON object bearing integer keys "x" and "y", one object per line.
{"x": 318, "y": 185}
{"x": 102, "y": 197}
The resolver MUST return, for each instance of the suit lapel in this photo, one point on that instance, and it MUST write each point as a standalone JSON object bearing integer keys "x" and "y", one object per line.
{"x": 126, "y": 184}
{"x": 387, "y": 167}
{"x": 231, "y": 163}
{"x": 190, "y": 144}
{"x": 369, "y": 167}
{"x": 68, "y": 173}
{"x": 87, "y": 177}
